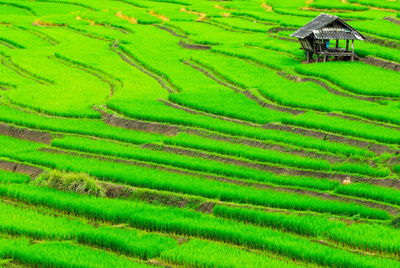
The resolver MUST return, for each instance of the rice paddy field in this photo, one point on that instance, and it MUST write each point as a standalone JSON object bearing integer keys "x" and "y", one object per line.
{"x": 191, "y": 133}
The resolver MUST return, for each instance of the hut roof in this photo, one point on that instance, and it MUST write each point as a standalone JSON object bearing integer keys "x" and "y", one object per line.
{"x": 316, "y": 27}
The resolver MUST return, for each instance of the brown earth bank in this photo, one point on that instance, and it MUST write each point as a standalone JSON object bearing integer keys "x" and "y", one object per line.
{"x": 268, "y": 146}
{"x": 382, "y": 63}
{"x": 170, "y": 30}
{"x": 271, "y": 168}
{"x": 193, "y": 46}
{"x": 32, "y": 171}
{"x": 114, "y": 120}
{"x": 374, "y": 147}
{"x": 25, "y": 133}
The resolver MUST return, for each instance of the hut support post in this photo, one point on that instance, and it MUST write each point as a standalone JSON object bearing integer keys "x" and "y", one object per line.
{"x": 347, "y": 45}
{"x": 352, "y": 50}
{"x": 337, "y": 46}
{"x": 308, "y": 56}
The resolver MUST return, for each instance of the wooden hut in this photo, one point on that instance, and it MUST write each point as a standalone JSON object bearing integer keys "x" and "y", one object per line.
{"x": 315, "y": 37}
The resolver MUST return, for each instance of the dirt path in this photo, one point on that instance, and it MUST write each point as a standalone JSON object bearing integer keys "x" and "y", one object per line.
{"x": 326, "y": 196}
{"x": 114, "y": 120}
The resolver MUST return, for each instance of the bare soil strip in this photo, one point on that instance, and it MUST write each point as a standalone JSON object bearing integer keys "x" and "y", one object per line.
{"x": 383, "y": 42}
{"x": 269, "y": 146}
{"x": 393, "y": 20}
{"x": 170, "y": 30}
{"x": 183, "y": 108}
{"x": 382, "y": 63}
{"x": 222, "y": 81}
{"x": 20, "y": 168}
{"x": 25, "y": 134}
{"x": 114, "y": 120}
{"x": 128, "y": 59}
{"x": 193, "y": 46}
{"x": 374, "y": 147}
{"x": 327, "y": 196}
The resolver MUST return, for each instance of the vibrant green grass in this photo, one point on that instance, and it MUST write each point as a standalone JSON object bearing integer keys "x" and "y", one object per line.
{"x": 192, "y": 163}
{"x": 36, "y": 225}
{"x": 60, "y": 254}
{"x": 365, "y": 190}
{"x": 360, "y": 80}
{"x": 373, "y": 237}
{"x": 191, "y": 223}
{"x": 10, "y": 177}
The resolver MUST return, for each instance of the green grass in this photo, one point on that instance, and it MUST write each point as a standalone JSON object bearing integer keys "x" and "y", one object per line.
{"x": 373, "y": 237}
{"x": 191, "y": 223}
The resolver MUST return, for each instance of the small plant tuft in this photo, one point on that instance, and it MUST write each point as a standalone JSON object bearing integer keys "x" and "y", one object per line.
{"x": 396, "y": 222}
{"x": 81, "y": 183}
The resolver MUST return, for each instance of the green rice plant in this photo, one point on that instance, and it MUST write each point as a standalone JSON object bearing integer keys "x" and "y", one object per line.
{"x": 274, "y": 87}
{"x": 369, "y": 191}
{"x": 210, "y": 254}
{"x": 164, "y": 180}
{"x": 326, "y": 4}
{"x": 78, "y": 126}
{"x": 192, "y": 163}
{"x": 396, "y": 168}
{"x": 345, "y": 127}
{"x": 43, "y": 225}
{"x": 167, "y": 114}
{"x": 60, "y": 254}
{"x": 377, "y": 3}
{"x": 373, "y": 237}
{"x": 71, "y": 182}
{"x": 361, "y": 81}
{"x": 11, "y": 177}
{"x": 192, "y": 223}
{"x": 264, "y": 155}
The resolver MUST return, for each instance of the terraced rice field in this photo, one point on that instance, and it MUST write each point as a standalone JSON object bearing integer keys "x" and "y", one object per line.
{"x": 190, "y": 133}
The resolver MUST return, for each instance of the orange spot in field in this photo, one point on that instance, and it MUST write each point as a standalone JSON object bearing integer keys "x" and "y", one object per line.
{"x": 46, "y": 24}
{"x": 226, "y": 15}
{"x": 162, "y": 17}
{"x": 124, "y": 17}
{"x": 202, "y": 16}
{"x": 266, "y": 6}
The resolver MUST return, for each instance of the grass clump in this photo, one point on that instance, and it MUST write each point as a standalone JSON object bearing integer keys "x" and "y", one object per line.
{"x": 81, "y": 183}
